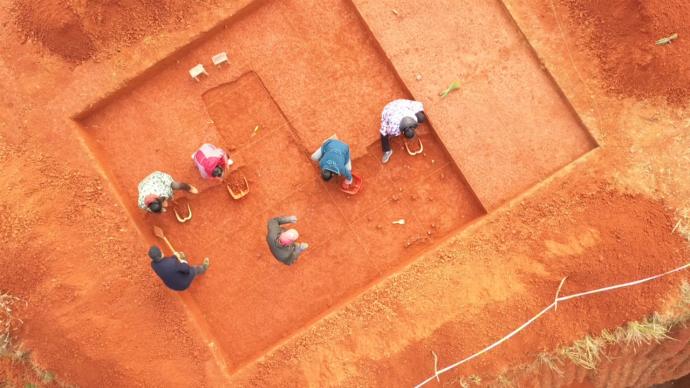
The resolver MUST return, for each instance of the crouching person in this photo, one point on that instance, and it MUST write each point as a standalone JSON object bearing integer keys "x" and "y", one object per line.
{"x": 174, "y": 270}
{"x": 282, "y": 242}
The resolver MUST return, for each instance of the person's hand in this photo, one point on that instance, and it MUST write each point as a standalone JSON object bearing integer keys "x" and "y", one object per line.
{"x": 292, "y": 219}
{"x": 181, "y": 256}
{"x": 193, "y": 190}
{"x": 206, "y": 262}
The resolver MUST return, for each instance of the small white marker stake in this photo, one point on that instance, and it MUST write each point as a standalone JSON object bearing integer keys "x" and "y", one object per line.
{"x": 196, "y": 71}
{"x": 220, "y": 58}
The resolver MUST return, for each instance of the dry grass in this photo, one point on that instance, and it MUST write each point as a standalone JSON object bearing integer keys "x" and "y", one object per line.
{"x": 467, "y": 382}
{"x": 646, "y": 331}
{"x": 551, "y": 361}
{"x": 682, "y": 226}
{"x": 586, "y": 352}
{"x": 8, "y": 322}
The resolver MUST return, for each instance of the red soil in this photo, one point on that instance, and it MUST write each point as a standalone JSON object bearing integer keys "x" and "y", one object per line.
{"x": 77, "y": 30}
{"x": 622, "y": 35}
{"x": 302, "y": 70}
{"x": 56, "y": 26}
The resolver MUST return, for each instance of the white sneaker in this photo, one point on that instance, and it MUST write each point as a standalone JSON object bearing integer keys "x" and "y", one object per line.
{"x": 386, "y": 156}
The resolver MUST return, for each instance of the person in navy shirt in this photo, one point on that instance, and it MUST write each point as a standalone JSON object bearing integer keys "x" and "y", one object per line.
{"x": 174, "y": 270}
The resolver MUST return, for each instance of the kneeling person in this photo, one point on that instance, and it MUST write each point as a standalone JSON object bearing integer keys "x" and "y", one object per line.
{"x": 211, "y": 161}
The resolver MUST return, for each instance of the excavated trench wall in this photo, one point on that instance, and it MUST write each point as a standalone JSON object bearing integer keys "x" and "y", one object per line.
{"x": 622, "y": 366}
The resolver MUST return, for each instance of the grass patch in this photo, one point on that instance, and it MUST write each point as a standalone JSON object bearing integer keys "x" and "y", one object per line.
{"x": 586, "y": 352}
{"x": 8, "y": 322}
{"x": 551, "y": 361}
{"x": 645, "y": 331}
{"x": 504, "y": 382}
{"x": 16, "y": 352}
{"x": 467, "y": 382}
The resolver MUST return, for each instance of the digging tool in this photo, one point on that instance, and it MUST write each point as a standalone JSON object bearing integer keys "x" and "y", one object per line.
{"x": 241, "y": 193}
{"x": 354, "y": 187}
{"x": 666, "y": 40}
{"x": 413, "y": 153}
{"x": 455, "y": 85}
{"x": 158, "y": 232}
{"x": 180, "y": 218}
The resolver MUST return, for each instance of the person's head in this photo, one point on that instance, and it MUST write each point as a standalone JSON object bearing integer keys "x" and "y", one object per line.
{"x": 407, "y": 126}
{"x": 155, "y": 253}
{"x": 421, "y": 117}
{"x": 155, "y": 204}
{"x": 326, "y": 175}
{"x": 288, "y": 237}
{"x": 217, "y": 172}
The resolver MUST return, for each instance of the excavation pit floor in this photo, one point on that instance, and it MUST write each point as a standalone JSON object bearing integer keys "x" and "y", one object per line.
{"x": 353, "y": 241}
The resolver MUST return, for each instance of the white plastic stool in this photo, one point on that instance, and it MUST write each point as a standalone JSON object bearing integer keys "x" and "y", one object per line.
{"x": 196, "y": 71}
{"x": 220, "y": 58}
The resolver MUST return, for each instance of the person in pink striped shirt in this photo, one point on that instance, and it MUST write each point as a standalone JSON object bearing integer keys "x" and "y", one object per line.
{"x": 211, "y": 161}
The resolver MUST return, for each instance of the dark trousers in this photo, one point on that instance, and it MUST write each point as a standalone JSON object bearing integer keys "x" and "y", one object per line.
{"x": 198, "y": 270}
{"x": 385, "y": 143}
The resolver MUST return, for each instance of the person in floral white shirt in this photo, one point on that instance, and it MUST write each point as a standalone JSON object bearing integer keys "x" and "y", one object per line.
{"x": 157, "y": 188}
{"x": 399, "y": 116}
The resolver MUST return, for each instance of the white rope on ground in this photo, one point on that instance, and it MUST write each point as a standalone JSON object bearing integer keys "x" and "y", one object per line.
{"x": 542, "y": 312}
{"x": 558, "y": 292}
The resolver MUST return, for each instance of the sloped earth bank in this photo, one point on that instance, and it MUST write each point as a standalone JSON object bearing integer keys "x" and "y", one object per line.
{"x": 79, "y": 30}
{"x": 644, "y": 365}
{"x": 96, "y": 316}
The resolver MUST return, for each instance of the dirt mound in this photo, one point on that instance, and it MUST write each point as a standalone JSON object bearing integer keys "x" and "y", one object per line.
{"x": 622, "y": 36}
{"x": 123, "y": 22}
{"x": 55, "y": 24}
{"x": 77, "y": 30}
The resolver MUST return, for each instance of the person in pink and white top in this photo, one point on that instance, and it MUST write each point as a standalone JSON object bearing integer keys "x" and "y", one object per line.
{"x": 211, "y": 161}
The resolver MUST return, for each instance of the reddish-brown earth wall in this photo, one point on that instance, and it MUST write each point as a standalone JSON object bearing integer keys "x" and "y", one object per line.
{"x": 622, "y": 366}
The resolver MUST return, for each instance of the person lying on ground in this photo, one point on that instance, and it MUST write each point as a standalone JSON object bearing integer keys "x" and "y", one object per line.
{"x": 399, "y": 116}
{"x": 174, "y": 270}
{"x": 211, "y": 161}
{"x": 282, "y": 242}
{"x": 157, "y": 188}
{"x": 334, "y": 159}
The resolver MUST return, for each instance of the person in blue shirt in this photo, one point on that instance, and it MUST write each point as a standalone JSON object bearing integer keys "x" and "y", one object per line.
{"x": 174, "y": 270}
{"x": 333, "y": 157}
